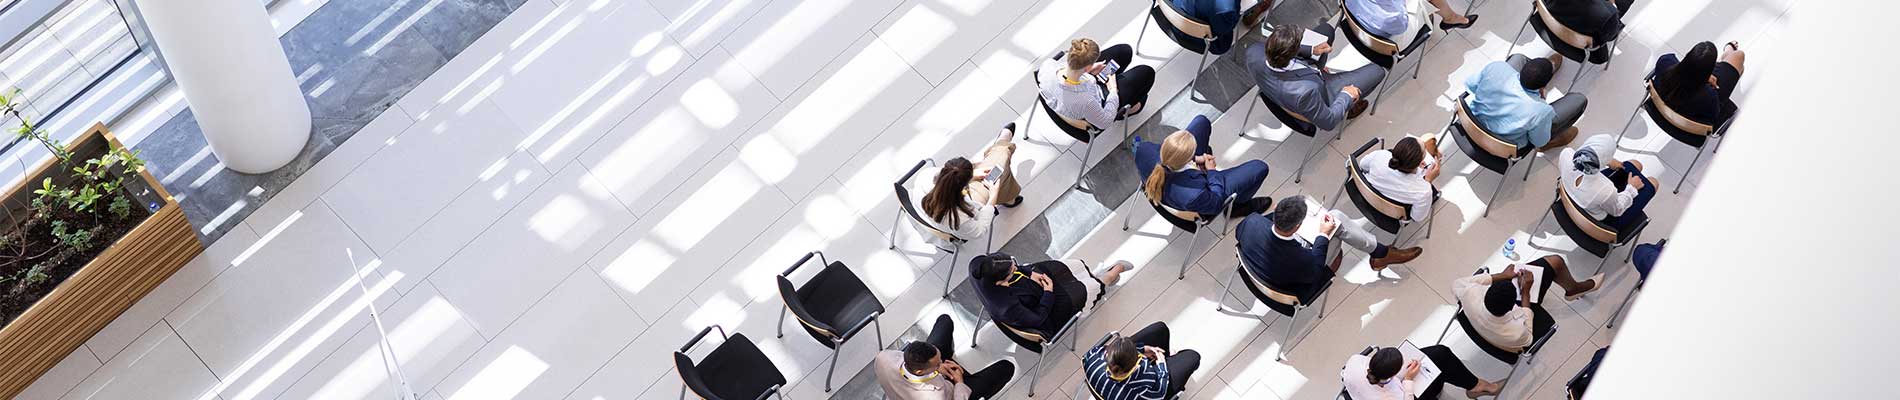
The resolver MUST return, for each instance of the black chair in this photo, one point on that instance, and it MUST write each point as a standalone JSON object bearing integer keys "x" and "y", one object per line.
{"x": 1190, "y": 222}
{"x": 1087, "y": 390}
{"x": 1285, "y": 302}
{"x": 1387, "y": 214}
{"x": 1034, "y": 340}
{"x": 1179, "y": 27}
{"x": 1574, "y": 389}
{"x": 1640, "y": 280}
{"x": 832, "y": 299}
{"x": 1596, "y": 237}
{"x": 1381, "y": 51}
{"x": 1298, "y": 123}
{"x": 1485, "y": 148}
{"x": 905, "y": 207}
{"x": 736, "y": 370}
{"x": 1508, "y": 357}
{"x": 1568, "y": 42}
{"x": 1684, "y": 130}
{"x": 1081, "y": 130}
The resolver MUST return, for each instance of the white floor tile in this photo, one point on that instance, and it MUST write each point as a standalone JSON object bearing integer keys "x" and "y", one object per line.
{"x": 156, "y": 365}
{"x": 787, "y": 42}
{"x": 427, "y": 335}
{"x": 233, "y": 249}
{"x": 559, "y": 343}
{"x": 334, "y": 167}
{"x": 463, "y": 220}
{"x": 64, "y": 376}
{"x": 936, "y": 37}
{"x": 699, "y": 25}
{"x": 396, "y": 190}
{"x": 637, "y": 368}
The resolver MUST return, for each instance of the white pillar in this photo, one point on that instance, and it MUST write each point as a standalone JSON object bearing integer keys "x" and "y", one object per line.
{"x": 225, "y": 57}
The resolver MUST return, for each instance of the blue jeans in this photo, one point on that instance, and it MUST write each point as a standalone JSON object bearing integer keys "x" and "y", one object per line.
{"x": 1627, "y": 221}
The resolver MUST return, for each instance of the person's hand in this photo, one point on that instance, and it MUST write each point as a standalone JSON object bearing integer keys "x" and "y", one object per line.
{"x": 1510, "y": 271}
{"x": 1154, "y": 353}
{"x": 1636, "y": 182}
{"x": 1712, "y": 82}
{"x": 1322, "y": 49}
{"x": 1351, "y": 91}
{"x": 1096, "y": 68}
{"x": 1206, "y": 161}
{"x": 1042, "y": 280}
{"x": 1328, "y": 225}
{"x": 951, "y": 370}
{"x": 1524, "y": 283}
{"x": 981, "y": 173}
{"x": 1411, "y": 370}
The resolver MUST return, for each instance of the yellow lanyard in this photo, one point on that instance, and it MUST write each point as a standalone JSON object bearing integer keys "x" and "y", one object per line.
{"x": 1016, "y": 278}
{"x": 1066, "y": 79}
{"x": 918, "y": 379}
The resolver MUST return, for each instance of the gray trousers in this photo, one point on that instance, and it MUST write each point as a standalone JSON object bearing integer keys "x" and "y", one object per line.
{"x": 1353, "y": 233}
{"x": 1366, "y": 78}
{"x": 1569, "y": 108}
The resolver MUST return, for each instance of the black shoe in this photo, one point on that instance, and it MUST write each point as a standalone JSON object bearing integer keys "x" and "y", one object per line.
{"x": 1469, "y": 19}
{"x": 1011, "y": 127}
{"x": 1251, "y": 206}
{"x": 1013, "y": 203}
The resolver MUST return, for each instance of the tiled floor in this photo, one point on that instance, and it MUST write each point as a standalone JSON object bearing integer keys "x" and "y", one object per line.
{"x": 589, "y": 183}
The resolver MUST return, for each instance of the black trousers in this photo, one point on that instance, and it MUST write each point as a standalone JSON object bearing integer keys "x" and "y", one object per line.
{"x": 1133, "y": 81}
{"x": 1180, "y": 365}
{"x": 983, "y": 384}
{"x": 1452, "y": 371}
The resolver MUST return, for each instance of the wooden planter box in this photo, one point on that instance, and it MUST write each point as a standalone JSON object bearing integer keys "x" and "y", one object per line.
{"x": 122, "y": 274}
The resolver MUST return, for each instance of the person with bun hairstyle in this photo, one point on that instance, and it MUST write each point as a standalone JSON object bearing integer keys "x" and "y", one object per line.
{"x": 1180, "y": 173}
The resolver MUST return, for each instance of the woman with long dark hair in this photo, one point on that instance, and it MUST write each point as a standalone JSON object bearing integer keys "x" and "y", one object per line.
{"x": 964, "y": 196}
{"x": 1698, "y": 84}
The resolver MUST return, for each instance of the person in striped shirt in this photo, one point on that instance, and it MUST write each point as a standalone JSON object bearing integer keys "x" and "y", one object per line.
{"x": 1138, "y": 367}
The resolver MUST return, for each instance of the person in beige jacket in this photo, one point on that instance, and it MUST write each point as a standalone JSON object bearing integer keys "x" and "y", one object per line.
{"x": 924, "y": 370}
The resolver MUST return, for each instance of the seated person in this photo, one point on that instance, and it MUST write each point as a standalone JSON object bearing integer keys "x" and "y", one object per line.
{"x": 1168, "y": 179}
{"x": 962, "y": 200}
{"x": 1609, "y": 190}
{"x": 1392, "y": 20}
{"x": 1286, "y": 75}
{"x": 1507, "y": 99}
{"x": 1645, "y": 255}
{"x": 1138, "y": 367}
{"x": 1698, "y": 86}
{"x": 1405, "y": 173}
{"x": 1503, "y": 313}
{"x": 1071, "y": 86}
{"x": 925, "y": 371}
{"x": 1221, "y": 16}
{"x": 1601, "y": 20}
{"x": 1275, "y": 252}
{"x": 1040, "y": 296}
{"x": 1385, "y": 374}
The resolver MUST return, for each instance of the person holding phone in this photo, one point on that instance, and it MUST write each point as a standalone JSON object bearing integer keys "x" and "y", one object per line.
{"x": 1042, "y": 295}
{"x": 963, "y": 198}
{"x": 1385, "y": 374}
{"x": 1609, "y": 190}
{"x": 1078, "y": 83}
{"x": 1139, "y": 366}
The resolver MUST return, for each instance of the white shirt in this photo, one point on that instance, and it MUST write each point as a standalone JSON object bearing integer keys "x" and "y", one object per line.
{"x": 1595, "y": 194}
{"x": 1087, "y": 100}
{"x": 1411, "y": 189}
{"x": 969, "y": 228}
{"x": 1511, "y": 332}
{"x": 1354, "y": 374}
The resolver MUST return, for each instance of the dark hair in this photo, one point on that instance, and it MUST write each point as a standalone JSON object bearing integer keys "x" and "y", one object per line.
{"x": 945, "y": 199}
{"x": 1283, "y": 44}
{"x": 1535, "y": 74}
{"x": 1385, "y": 363}
{"x": 1121, "y": 355}
{"x": 1687, "y": 76}
{"x": 985, "y": 268}
{"x": 917, "y": 356}
{"x": 1500, "y": 298}
{"x": 1291, "y": 212}
{"x": 1407, "y": 155}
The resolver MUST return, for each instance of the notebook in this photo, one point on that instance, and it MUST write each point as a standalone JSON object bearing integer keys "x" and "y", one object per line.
{"x": 1427, "y": 372}
{"x": 1537, "y": 281}
{"x": 1315, "y": 216}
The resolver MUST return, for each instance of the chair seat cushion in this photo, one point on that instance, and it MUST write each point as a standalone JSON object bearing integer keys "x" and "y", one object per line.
{"x": 1011, "y": 332}
{"x": 1506, "y": 356}
{"x": 836, "y": 297}
{"x": 737, "y": 370}
{"x": 1691, "y": 139}
{"x": 1576, "y": 233}
{"x": 1569, "y": 52}
{"x": 1477, "y": 154}
{"x": 1297, "y": 125}
{"x": 1185, "y": 225}
{"x": 1384, "y": 222}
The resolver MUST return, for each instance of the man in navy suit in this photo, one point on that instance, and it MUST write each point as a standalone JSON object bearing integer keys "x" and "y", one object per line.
{"x": 1273, "y": 250}
{"x": 1199, "y": 187}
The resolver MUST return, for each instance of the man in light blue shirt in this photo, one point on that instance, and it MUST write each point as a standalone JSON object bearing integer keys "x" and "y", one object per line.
{"x": 1388, "y": 18}
{"x": 1507, "y": 99}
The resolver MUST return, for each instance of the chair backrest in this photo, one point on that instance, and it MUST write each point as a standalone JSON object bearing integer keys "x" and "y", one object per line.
{"x": 1272, "y": 292}
{"x": 902, "y": 188}
{"x": 789, "y": 294}
{"x": 1595, "y": 229}
{"x": 1357, "y": 178}
{"x": 1480, "y": 136}
{"x": 1374, "y": 42}
{"x": 1028, "y": 334}
{"x": 1670, "y": 116}
{"x": 1182, "y": 22}
{"x": 1561, "y": 32}
{"x": 1294, "y": 121}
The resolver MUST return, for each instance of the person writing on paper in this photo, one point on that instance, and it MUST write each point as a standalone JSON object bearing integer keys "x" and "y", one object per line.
{"x": 1138, "y": 367}
{"x": 1284, "y": 70}
{"x": 964, "y": 197}
{"x": 1391, "y": 19}
{"x": 1609, "y": 190}
{"x": 1506, "y": 317}
{"x": 1385, "y": 374}
{"x": 1405, "y": 173}
{"x": 924, "y": 370}
{"x": 1507, "y": 99}
{"x": 1274, "y": 250}
{"x": 1082, "y": 84}
{"x": 1040, "y": 296}
{"x": 1180, "y": 173}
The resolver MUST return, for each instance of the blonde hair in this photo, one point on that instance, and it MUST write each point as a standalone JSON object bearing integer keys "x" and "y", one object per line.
{"x": 1082, "y": 52}
{"x": 1175, "y": 152}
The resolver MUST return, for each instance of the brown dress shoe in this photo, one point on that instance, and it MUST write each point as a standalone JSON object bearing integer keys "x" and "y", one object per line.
{"x": 1396, "y": 256}
{"x": 1358, "y": 107}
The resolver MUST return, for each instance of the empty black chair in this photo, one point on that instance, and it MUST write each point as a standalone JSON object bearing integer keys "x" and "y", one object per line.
{"x": 736, "y": 370}
{"x": 905, "y": 207}
{"x": 1285, "y": 302}
{"x": 1596, "y": 237}
{"x": 833, "y": 306}
{"x": 1190, "y": 222}
{"x": 1179, "y": 27}
{"x": 1298, "y": 123}
{"x": 1382, "y": 51}
{"x": 1684, "y": 130}
{"x": 1387, "y": 214}
{"x": 1485, "y": 148}
{"x": 1507, "y": 356}
{"x": 1079, "y": 129}
{"x": 1571, "y": 44}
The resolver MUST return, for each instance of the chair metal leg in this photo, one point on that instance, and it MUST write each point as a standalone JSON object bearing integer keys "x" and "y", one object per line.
{"x": 1032, "y": 116}
{"x": 1685, "y": 174}
{"x": 1631, "y": 120}
{"x": 1145, "y": 20}
{"x": 894, "y": 221}
{"x": 1041, "y": 361}
{"x": 975, "y": 332}
{"x": 1207, "y": 46}
{"x": 781, "y": 322}
{"x": 1579, "y": 76}
{"x": 1089, "y": 151}
{"x": 1447, "y": 330}
{"x": 1380, "y": 95}
{"x": 1527, "y": 170}
{"x": 1247, "y": 116}
{"x": 1513, "y": 41}
{"x": 1220, "y": 303}
{"x": 1301, "y": 173}
{"x": 1289, "y": 337}
{"x": 1626, "y": 303}
{"x": 1188, "y": 255}
{"x": 879, "y": 326}
{"x": 1125, "y": 216}
{"x": 952, "y": 270}
{"x": 1492, "y": 203}
{"x": 834, "y": 363}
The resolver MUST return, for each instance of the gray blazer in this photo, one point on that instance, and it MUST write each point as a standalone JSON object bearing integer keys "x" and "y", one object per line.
{"x": 1299, "y": 90}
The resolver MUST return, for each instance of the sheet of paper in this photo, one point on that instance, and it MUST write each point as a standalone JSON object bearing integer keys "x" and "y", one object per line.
{"x": 1315, "y": 215}
{"x": 1427, "y": 371}
{"x": 1537, "y": 281}
{"x": 1312, "y": 38}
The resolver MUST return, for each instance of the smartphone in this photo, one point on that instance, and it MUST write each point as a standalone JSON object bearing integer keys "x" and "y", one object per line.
{"x": 1108, "y": 71}
{"x": 996, "y": 175}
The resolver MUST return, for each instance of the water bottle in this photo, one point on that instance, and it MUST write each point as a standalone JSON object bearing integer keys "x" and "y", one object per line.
{"x": 1510, "y": 249}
